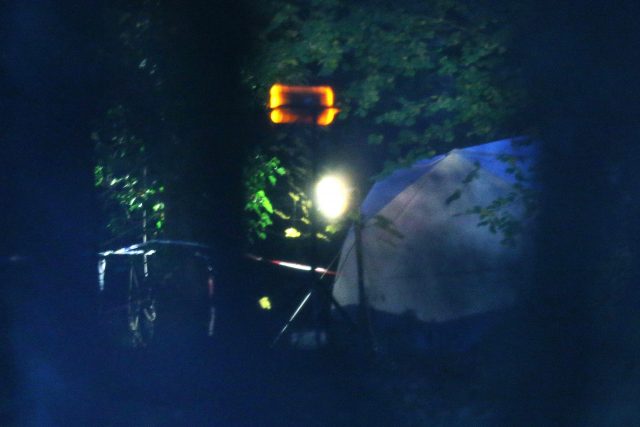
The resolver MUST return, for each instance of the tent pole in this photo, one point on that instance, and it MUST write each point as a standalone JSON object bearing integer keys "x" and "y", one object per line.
{"x": 364, "y": 322}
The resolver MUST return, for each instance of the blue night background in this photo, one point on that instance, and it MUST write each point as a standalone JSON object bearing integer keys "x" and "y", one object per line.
{"x": 148, "y": 123}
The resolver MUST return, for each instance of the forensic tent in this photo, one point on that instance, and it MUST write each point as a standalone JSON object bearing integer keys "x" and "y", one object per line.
{"x": 433, "y": 274}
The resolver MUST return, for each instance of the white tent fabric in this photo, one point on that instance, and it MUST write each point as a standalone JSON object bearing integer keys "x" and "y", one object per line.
{"x": 423, "y": 254}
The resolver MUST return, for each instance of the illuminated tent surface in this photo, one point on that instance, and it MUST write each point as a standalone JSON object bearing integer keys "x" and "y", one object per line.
{"x": 429, "y": 269}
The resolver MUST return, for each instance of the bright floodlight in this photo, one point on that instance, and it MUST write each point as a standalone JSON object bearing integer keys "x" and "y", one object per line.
{"x": 332, "y": 196}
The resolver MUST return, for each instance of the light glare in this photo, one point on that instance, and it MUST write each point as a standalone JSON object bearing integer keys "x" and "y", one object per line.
{"x": 332, "y": 196}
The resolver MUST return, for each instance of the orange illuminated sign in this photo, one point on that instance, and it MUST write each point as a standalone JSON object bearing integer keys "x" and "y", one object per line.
{"x": 302, "y": 104}
{"x": 326, "y": 116}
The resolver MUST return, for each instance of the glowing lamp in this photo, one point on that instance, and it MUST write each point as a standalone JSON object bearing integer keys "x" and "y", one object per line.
{"x": 332, "y": 196}
{"x": 302, "y": 104}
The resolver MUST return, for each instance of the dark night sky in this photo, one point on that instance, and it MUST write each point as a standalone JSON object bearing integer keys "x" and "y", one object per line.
{"x": 52, "y": 90}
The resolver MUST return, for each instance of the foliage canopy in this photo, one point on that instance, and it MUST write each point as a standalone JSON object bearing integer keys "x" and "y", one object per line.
{"x": 412, "y": 79}
{"x": 127, "y": 136}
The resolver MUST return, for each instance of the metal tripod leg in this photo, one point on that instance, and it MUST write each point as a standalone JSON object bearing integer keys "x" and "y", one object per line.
{"x": 292, "y": 318}
{"x": 300, "y": 306}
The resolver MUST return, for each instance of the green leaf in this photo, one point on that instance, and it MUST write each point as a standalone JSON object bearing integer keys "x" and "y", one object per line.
{"x": 99, "y": 175}
{"x": 291, "y": 233}
{"x": 266, "y": 204}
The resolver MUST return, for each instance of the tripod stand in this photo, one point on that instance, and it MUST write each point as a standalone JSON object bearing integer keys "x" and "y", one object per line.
{"x": 316, "y": 287}
{"x": 364, "y": 320}
{"x": 311, "y": 105}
